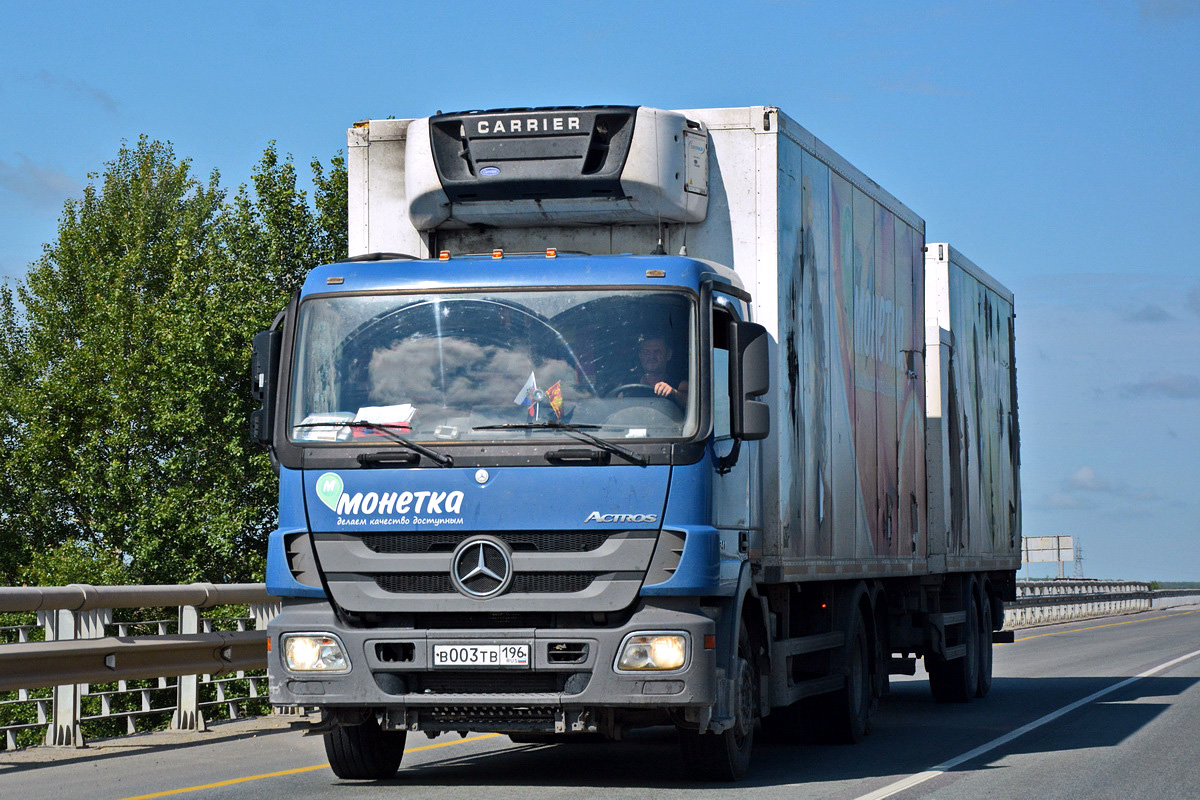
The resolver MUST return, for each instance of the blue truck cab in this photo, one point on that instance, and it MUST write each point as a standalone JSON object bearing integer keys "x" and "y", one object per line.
{"x": 501, "y": 489}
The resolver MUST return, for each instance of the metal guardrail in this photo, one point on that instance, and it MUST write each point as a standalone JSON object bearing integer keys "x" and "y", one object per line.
{"x": 79, "y": 652}
{"x": 1046, "y": 602}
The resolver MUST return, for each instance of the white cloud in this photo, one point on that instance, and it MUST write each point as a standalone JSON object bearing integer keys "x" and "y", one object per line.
{"x": 1085, "y": 479}
{"x": 1151, "y": 312}
{"x": 40, "y": 184}
{"x": 1168, "y": 10}
{"x": 1174, "y": 387}
{"x": 1062, "y": 500}
{"x": 1086, "y": 489}
{"x": 1193, "y": 300}
{"x": 80, "y": 89}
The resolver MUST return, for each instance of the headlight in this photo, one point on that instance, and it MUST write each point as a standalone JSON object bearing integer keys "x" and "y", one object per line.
{"x": 309, "y": 652}
{"x": 653, "y": 651}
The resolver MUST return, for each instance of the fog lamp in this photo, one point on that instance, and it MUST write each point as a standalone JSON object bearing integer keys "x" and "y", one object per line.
{"x": 310, "y": 652}
{"x": 653, "y": 651}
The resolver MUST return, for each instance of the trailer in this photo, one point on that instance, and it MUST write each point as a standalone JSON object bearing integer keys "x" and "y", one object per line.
{"x": 618, "y": 416}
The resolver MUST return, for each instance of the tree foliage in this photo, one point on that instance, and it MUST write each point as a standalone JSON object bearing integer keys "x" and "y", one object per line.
{"x": 124, "y": 362}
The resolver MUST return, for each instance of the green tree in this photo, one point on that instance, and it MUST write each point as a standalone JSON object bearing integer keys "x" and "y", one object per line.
{"x": 124, "y": 362}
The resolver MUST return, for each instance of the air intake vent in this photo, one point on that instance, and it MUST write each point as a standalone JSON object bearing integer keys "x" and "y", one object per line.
{"x": 519, "y": 541}
{"x": 523, "y": 582}
{"x": 416, "y": 583}
{"x": 567, "y": 652}
{"x": 531, "y": 154}
{"x": 551, "y": 582}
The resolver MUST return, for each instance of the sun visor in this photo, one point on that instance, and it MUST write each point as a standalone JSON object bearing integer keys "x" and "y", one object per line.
{"x": 555, "y": 166}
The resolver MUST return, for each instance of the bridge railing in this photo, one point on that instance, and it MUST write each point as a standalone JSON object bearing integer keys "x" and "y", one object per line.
{"x": 215, "y": 656}
{"x": 56, "y": 670}
{"x": 1046, "y": 602}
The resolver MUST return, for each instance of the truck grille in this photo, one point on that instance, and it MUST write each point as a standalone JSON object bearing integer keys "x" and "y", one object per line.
{"x": 519, "y": 541}
{"x": 560, "y": 570}
{"x": 523, "y": 582}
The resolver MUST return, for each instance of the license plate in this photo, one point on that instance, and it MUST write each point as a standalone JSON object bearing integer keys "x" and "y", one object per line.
{"x": 481, "y": 655}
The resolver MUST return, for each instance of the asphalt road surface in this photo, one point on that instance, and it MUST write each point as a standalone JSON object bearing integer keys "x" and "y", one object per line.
{"x": 1106, "y": 708}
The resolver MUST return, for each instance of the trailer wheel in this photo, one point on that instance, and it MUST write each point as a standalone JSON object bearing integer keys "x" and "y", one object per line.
{"x": 363, "y": 751}
{"x": 956, "y": 680}
{"x": 985, "y": 645}
{"x": 725, "y": 756}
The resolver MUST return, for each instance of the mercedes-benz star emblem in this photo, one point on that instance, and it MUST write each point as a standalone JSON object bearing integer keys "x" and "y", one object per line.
{"x": 481, "y": 567}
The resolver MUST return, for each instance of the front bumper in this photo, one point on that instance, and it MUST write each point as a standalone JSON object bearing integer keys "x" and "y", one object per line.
{"x": 569, "y": 684}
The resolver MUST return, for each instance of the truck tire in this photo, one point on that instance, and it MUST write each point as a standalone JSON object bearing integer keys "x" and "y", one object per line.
{"x": 956, "y": 680}
{"x": 985, "y": 645}
{"x": 363, "y": 751}
{"x": 849, "y": 710}
{"x": 725, "y": 756}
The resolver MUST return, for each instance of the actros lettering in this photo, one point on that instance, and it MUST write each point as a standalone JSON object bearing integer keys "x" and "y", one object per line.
{"x": 596, "y": 516}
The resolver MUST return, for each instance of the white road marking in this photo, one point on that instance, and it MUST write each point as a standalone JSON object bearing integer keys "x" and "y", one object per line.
{"x": 940, "y": 769}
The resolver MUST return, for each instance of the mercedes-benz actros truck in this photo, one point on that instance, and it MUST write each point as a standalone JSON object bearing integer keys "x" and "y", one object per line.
{"x": 620, "y": 417}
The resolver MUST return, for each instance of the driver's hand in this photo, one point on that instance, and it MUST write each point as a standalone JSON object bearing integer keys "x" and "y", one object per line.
{"x": 663, "y": 389}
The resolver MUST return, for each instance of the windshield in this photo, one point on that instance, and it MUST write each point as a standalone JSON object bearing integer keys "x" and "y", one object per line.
{"x": 445, "y": 367}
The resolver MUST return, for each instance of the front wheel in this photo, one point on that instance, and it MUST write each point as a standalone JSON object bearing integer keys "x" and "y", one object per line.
{"x": 725, "y": 756}
{"x": 364, "y": 751}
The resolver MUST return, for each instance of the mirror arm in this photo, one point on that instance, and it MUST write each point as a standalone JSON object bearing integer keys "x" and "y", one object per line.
{"x": 725, "y": 463}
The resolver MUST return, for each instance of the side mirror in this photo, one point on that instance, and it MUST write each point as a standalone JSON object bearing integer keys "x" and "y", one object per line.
{"x": 749, "y": 377}
{"x": 264, "y": 368}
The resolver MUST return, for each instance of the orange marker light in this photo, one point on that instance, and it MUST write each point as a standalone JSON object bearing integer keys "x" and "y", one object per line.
{"x": 710, "y": 641}
{"x": 268, "y": 644}
{"x": 551, "y": 252}
{"x": 497, "y": 254}
{"x": 444, "y": 255}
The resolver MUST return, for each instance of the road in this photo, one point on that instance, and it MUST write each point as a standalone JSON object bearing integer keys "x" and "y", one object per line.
{"x": 1068, "y": 717}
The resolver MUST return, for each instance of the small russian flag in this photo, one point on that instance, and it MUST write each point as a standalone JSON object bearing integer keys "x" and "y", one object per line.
{"x": 528, "y": 395}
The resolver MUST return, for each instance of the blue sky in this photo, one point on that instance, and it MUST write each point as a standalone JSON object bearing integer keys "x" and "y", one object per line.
{"x": 1053, "y": 143}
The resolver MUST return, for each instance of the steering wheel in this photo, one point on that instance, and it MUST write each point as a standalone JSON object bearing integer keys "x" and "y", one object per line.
{"x": 632, "y": 390}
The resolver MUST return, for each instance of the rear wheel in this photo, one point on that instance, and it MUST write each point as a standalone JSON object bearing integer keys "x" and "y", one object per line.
{"x": 844, "y": 716}
{"x": 957, "y": 680}
{"x": 985, "y": 646}
{"x": 364, "y": 751}
{"x": 850, "y": 707}
{"x": 725, "y": 756}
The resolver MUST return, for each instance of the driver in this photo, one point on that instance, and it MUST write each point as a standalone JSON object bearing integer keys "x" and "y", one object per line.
{"x": 654, "y": 354}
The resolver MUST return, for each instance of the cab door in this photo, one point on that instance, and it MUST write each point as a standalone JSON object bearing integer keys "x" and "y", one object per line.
{"x": 735, "y": 488}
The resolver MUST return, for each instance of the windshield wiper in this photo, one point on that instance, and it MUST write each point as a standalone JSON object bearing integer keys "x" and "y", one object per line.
{"x": 441, "y": 459}
{"x": 577, "y": 432}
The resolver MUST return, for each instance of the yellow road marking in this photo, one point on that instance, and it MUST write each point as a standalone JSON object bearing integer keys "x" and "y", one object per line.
{"x": 234, "y": 781}
{"x": 1108, "y": 625}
